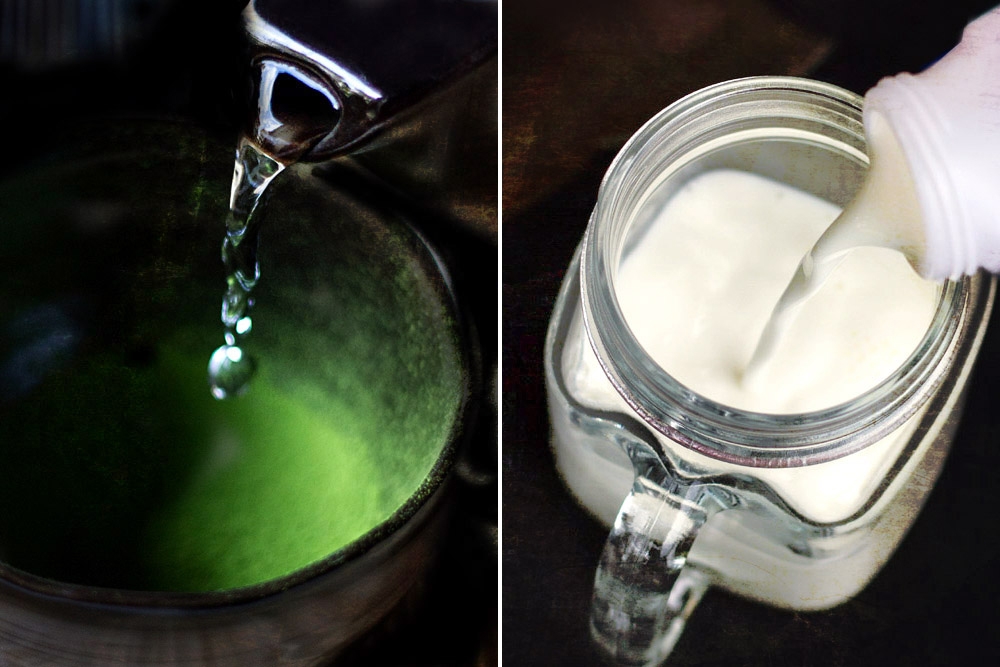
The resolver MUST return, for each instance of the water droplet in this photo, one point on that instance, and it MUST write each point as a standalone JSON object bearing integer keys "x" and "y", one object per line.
{"x": 230, "y": 371}
{"x": 244, "y": 326}
{"x": 234, "y": 304}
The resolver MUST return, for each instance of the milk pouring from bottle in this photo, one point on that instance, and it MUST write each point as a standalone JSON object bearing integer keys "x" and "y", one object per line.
{"x": 793, "y": 483}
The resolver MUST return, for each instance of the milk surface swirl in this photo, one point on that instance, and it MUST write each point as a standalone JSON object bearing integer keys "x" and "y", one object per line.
{"x": 699, "y": 286}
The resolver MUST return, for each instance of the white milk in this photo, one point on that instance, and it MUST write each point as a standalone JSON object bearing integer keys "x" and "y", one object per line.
{"x": 700, "y": 285}
{"x": 884, "y": 214}
{"x": 697, "y": 290}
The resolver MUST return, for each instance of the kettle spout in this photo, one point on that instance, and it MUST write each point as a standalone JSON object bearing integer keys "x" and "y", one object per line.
{"x": 295, "y": 109}
{"x": 330, "y": 75}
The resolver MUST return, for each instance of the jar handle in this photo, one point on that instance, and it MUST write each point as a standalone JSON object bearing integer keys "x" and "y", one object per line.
{"x": 644, "y": 591}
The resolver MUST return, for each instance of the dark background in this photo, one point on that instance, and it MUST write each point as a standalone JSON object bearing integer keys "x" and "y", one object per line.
{"x": 578, "y": 80}
{"x": 65, "y": 62}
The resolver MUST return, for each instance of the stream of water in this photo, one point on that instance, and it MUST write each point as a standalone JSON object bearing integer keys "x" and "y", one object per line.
{"x": 230, "y": 367}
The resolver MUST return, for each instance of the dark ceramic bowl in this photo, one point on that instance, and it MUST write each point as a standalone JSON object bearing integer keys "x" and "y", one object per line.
{"x": 142, "y": 522}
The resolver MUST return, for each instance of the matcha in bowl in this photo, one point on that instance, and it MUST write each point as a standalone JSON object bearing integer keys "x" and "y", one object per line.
{"x": 142, "y": 519}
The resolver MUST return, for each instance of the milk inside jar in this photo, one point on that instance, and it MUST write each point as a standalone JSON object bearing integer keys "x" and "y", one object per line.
{"x": 816, "y": 464}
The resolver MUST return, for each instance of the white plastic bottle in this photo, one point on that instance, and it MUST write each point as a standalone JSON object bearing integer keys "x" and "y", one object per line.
{"x": 945, "y": 122}
{"x": 933, "y": 189}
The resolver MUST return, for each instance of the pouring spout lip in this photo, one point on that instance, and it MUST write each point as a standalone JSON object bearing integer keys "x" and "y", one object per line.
{"x": 360, "y": 104}
{"x": 359, "y": 115}
{"x": 267, "y": 35}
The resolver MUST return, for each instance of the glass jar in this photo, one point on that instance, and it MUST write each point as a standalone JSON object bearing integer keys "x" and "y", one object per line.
{"x": 794, "y": 510}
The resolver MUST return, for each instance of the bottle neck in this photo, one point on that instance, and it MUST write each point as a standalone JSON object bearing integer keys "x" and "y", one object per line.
{"x": 922, "y": 129}
{"x": 947, "y": 122}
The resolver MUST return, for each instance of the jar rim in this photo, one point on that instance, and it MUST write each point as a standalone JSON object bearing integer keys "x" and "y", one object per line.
{"x": 722, "y": 432}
